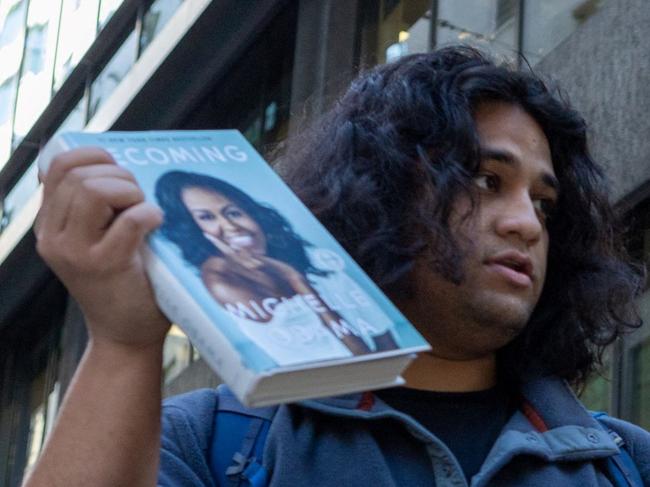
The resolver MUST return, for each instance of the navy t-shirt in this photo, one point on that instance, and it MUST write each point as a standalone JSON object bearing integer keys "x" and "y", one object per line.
{"x": 467, "y": 422}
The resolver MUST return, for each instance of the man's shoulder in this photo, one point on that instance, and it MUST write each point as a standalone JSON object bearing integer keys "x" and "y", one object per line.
{"x": 192, "y": 423}
{"x": 193, "y": 402}
{"x": 637, "y": 442}
{"x": 636, "y": 438}
{"x": 193, "y": 413}
{"x": 185, "y": 438}
{"x": 189, "y": 417}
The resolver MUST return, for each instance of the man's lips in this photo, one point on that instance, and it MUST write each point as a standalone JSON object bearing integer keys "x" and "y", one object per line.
{"x": 513, "y": 266}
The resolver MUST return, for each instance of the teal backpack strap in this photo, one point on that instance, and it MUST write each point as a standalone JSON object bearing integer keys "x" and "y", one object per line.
{"x": 238, "y": 439}
{"x": 620, "y": 468}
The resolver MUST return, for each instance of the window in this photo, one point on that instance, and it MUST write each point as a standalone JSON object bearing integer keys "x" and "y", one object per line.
{"x": 41, "y": 420}
{"x": 12, "y": 36}
{"x": 156, "y": 18}
{"x": 106, "y": 9}
{"x": 597, "y": 392}
{"x": 489, "y": 25}
{"x": 7, "y": 94}
{"x": 7, "y": 102}
{"x": 254, "y": 96}
{"x": 112, "y": 74}
{"x": 394, "y": 28}
{"x": 506, "y": 10}
{"x": 177, "y": 354}
{"x": 19, "y": 195}
{"x": 35, "y": 86}
{"x": 34, "y": 57}
{"x": 77, "y": 32}
{"x": 12, "y": 19}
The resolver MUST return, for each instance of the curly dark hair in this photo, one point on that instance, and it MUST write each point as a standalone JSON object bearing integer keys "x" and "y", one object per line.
{"x": 180, "y": 228}
{"x": 384, "y": 168}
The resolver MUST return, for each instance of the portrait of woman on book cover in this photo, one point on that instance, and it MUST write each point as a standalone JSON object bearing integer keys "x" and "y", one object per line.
{"x": 259, "y": 270}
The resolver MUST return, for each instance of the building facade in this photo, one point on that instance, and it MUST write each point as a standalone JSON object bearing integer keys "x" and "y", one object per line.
{"x": 263, "y": 67}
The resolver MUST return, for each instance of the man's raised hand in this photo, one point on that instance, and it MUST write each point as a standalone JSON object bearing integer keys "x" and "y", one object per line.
{"x": 91, "y": 224}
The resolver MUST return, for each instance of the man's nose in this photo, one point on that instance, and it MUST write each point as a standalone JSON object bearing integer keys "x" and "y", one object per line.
{"x": 519, "y": 217}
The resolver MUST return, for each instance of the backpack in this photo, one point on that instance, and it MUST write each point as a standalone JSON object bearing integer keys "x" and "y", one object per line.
{"x": 237, "y": 444}
{"x": 235, "y": 455}
{"x": 620, "y": 469}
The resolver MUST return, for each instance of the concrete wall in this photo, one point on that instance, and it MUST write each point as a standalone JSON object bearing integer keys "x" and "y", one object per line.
{"x": 605, "y": 68}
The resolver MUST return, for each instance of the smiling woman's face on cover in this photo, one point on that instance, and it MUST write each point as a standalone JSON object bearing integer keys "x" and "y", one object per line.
{"x": 220, "y": 217}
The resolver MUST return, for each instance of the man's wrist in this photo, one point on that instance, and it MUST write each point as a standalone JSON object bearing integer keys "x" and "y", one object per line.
{"x": 104, "y": 350}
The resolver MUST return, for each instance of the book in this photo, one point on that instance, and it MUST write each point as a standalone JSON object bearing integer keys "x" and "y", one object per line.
{"x": 268, "y": 297}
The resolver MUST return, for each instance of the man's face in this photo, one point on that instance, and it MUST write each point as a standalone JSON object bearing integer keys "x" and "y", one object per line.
{"x": 506, "y": 238}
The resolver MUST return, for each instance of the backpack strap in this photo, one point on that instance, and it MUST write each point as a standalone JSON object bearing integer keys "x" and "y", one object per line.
{"x": 620, "y": 468}
{"x": 238, "y": 438}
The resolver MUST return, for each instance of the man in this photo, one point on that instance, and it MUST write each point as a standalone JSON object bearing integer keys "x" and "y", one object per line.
{"x": 466, "y": 191}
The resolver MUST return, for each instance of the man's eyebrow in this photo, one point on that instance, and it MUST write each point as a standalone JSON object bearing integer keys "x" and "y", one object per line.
{"x": 498, "y": 155}
{"x": 506, "y": 157}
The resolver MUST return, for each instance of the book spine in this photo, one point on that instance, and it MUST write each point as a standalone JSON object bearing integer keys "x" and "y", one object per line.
{"x": 178, "y": 305}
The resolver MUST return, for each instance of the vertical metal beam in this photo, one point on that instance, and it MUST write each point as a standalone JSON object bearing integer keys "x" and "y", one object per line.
{"x": 433, "y": 28}
{"x": 521, "y": 11}
{"x": 628, "y": 373}
{"x": 324, "y": 60}
{"x": 618, "y": 379}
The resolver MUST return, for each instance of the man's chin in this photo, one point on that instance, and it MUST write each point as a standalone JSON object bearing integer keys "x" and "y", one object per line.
{"x": 505, "y": 325}
{"x": 504, "y": 310}
{"x": 503, "y": 318}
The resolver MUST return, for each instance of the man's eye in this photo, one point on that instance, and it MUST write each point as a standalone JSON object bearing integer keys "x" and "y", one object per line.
{"x": 488, "y": 182}
{"x": 545, "y": 206}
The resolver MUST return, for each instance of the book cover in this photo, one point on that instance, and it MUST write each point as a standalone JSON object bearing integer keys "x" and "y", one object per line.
{"x": 261, "y": 269}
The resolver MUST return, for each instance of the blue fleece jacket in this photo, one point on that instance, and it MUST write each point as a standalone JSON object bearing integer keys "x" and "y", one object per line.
{"x": 359, "y": 440}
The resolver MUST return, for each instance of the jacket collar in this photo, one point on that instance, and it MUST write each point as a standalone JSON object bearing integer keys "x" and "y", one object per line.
{"x": 547, "y": 401}
{"x": 550, "y": 420}
{"x": 554, "y": 403}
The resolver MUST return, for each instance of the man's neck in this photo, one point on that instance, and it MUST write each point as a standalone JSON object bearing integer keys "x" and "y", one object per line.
{"x": 431, "y": 373}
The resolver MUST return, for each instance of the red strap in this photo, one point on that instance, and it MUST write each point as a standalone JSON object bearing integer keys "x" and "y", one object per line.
{"x": 533, "y": 416}
{"x": 366, "y": 402}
